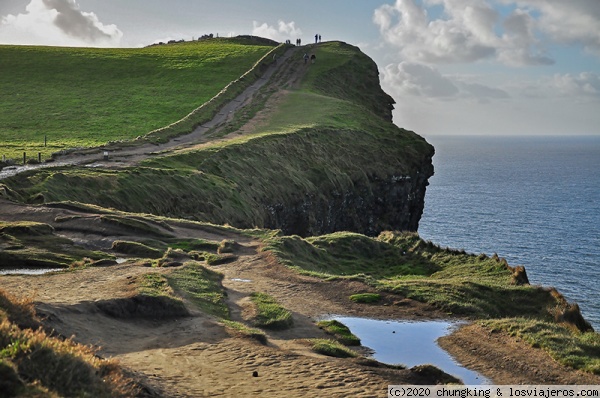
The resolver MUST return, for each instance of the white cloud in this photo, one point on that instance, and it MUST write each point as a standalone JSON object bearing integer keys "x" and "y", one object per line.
{"x": 467, "y": 31}
{"x": 283, "y": 31}
{"x": 420, "y": 80}
{"x": 580, "y": 87}
{"x": 567, "y": 22}
{"x": 57, "y": 22}
{"x": 409, "y": 78}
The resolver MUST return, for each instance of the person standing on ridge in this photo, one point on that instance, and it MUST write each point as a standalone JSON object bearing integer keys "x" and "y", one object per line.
{"x": 319, "y": 38}
{"x": 316, "y": 38}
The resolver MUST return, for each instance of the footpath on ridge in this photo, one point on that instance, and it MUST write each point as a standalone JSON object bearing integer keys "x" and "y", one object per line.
{"x": 129, "y": 155}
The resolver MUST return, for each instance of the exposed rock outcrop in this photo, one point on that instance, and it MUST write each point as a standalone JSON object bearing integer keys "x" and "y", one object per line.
{"x": 373, "y": 205}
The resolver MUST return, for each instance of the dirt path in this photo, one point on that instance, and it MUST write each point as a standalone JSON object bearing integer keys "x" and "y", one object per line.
{"x": 127, "y": 156}
{"x": 196, "y": 356}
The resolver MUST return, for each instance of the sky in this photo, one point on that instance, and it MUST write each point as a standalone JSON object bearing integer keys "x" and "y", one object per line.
{"x": 468, "y": 67}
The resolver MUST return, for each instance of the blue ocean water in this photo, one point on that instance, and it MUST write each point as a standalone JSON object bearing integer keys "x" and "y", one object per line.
{"x": 533, "y": 200}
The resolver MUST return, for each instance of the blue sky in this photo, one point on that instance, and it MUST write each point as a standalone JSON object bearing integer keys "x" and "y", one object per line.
{"x": 483, "y": 67}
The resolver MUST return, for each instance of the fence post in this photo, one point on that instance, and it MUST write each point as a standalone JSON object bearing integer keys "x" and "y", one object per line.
{"x": 24, "y": 158}
{"x": 45, "y": 140}
{"x": 39, "y": 157}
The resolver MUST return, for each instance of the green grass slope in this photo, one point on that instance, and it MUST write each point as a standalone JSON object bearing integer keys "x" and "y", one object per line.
{"x": 81, "y": 97}
{"x": 322, "y": 142}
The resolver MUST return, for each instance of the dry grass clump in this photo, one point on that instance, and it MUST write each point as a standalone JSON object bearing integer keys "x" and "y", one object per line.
{"x": 33, "y": 363}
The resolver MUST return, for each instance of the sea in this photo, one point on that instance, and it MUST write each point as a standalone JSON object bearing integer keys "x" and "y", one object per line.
{"x": 534, "y": 200}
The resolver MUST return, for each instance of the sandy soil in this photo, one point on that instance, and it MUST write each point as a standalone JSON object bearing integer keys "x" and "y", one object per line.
{"x": 196, "y": 356}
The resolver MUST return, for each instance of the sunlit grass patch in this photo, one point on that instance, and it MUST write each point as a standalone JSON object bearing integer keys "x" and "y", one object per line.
{"x": 565, "y": 344}
{"x": 92, "y": 96}
{"x": 269, "y": 313}
{"x": 202, "y": 287}
{"x": 242, "y": 330}
{"x": 331, "y": 348}
{"x": 339, "y": 331}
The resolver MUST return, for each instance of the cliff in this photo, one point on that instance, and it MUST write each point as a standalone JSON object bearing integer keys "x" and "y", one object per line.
{"x": 328, "y": 158}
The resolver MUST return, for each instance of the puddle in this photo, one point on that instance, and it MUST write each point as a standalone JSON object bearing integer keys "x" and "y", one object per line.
{"x": 410, "y": 343}
{"x": 29, "y": 271}
{"x": 241, "y": 280}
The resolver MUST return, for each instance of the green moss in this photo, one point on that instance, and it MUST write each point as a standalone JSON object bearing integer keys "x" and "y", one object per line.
{"x": 30, "y": 244}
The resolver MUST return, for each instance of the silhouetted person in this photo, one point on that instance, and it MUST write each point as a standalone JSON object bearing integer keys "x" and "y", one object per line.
{"x": 316, "y": 38}
{"x": 319, "y": 38}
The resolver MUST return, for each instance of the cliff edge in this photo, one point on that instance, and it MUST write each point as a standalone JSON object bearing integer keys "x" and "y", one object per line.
{"x": 314, "y": 151}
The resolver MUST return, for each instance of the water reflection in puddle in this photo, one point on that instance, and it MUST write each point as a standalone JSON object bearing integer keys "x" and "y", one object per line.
{"x": 29, "y": 271}
{"x": 410, "y": 344}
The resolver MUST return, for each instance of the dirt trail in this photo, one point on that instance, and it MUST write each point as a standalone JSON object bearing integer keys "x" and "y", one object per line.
{"x": 196, "y": 356}
{"x": 130, "y": 155}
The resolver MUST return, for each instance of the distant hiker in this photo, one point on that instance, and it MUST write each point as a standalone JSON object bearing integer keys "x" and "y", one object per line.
{"x": 312, "y": 58}
{"x": 299, "y": 42}
{"x": 319, "y": 38}
{"x": 316, "y": 38}
{"x": 305, "y": 57}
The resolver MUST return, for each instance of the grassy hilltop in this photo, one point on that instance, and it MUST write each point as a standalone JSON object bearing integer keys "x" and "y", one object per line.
{"x": 82, "y": 97}
{"x": 321, "y": 144}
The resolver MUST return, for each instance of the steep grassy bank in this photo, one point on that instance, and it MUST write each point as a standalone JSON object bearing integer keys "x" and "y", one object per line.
{"x": 327, "y": 160}
{"x": 81, "y": 97}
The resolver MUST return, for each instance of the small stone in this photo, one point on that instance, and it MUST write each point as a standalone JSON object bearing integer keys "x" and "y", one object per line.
{"x": 255, "y": 374}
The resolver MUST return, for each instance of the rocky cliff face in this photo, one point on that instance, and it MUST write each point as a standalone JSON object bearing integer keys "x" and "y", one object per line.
{"x": 372, "y": 206}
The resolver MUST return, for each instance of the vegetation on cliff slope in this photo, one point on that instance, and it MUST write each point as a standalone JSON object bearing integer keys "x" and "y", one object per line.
{"x": 476, "y": 286}
{"x": 345, "y": 149}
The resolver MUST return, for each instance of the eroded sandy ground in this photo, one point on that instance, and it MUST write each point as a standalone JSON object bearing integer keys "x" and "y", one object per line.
{"x": 195, "y": 356}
